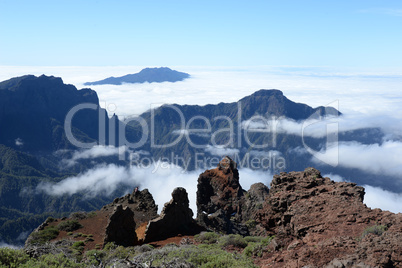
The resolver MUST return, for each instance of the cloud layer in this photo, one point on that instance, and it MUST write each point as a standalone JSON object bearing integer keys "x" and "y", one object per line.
{"x": 367, "y": 98}
{"x": 94, "y": 152}
{"x": 160, "y": 179}
{"x": 372, "y": 158}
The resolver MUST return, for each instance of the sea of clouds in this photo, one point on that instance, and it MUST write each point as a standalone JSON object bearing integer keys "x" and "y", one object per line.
{"x": 367, "y": 98}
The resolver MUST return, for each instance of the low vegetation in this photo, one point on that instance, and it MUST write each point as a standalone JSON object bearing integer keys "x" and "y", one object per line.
{"x": 209, "y": 251}
{"x": 44, "y": 235}
{"x": 376, "y": 230}
{"x": 69, "y": 226}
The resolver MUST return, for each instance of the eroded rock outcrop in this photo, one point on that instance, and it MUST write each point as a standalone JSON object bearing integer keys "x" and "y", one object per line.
{"x": 219, "y": 198}
{"x": 121, "y": 227}
{"x": 141, "y": 203}
{"x": 222, "y": 204}
{"x": 176, "y": 218}
{"x": 318, "y": 222}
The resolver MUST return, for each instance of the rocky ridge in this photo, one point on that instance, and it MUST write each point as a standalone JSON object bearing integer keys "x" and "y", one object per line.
{"x": 321, "y": 223}
{"x": 315, "y": 221}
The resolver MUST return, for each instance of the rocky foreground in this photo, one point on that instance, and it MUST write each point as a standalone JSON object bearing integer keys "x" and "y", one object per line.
{"x": 315, "y": 221}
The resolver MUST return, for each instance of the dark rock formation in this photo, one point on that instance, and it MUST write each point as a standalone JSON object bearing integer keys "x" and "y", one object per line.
{"x": 121, "y": 227}
{"x": 162, "y": 74}
{"x": 176, "y": 218}
{"x": 220, "y": 199}
{"x": 317, "y": 222}
{"x": 141, "y": 203}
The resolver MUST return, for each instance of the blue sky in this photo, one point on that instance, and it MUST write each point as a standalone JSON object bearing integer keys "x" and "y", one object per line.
{"x": 352, "y": 33}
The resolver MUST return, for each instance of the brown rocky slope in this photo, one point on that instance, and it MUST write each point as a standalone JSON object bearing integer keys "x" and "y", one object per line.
{"x": 316, "y": 222}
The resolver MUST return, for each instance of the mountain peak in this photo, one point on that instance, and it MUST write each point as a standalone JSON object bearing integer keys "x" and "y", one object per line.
{"x": 268, "y": 92}
{"x": 150, "y": 75}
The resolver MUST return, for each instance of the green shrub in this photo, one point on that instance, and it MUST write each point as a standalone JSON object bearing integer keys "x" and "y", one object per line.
{"x": 232, "y": 240}
{"x": 12, "y": 257}
{"x": 52, "y": 261}
{"x": 144, "y": 248}
{"x": 207, "y": 238}
{"x": 254, "y": 249}
{"x": 109, "y": 246}
{"x": 376, "y": 229}
{"x": 44, "y": 235}
{"x": 95, "y": 256}
{"x": 76, "y": 235}
{"x": 121, "y": 252}
{"x": 69, "y": 226}
{"x": 49, "y": 220}
{"x": 91, "y": 214}
{"x": 251, "y": 224}
{"x": 206, "y": 256}
{"x": 256, "y": 245}
{"x": 89, "y": 239}
{"x": 253, "y": 238}
{"x": 78, "y": 215}
{"x": 79, "y": 246}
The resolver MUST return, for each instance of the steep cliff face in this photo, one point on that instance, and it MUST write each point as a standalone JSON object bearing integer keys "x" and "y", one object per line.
{"x": 33, "y": 110}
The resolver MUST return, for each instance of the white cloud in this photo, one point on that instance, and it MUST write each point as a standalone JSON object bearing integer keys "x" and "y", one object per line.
{"x": 378, "y": 198}
{"x": 102, "y": 180}
{"x": 94, "y": 152}
{"x": 5, "y": 245}
{"x": 248, "y": 177}
{"x": 373, "y": 158}
{"x": 365, "y": 91}
{"x": 19, "y": 142}
{"x": 220, "y": 150}
{"x": 160, "y": 179}
{"x": 334, "y": 177}
{"x": 318, "y": 128}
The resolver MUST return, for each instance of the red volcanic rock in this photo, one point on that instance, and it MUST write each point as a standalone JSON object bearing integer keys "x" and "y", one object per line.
{"x": 222, "y": 204}
{"x": 219, "y": 188}
{"x": 318, "y": 222}
{"x": 219, "y": 198}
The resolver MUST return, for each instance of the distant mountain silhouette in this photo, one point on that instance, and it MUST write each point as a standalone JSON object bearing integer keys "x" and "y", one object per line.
{"x": 33, "y": 110}
{"x": 150, "y": 75}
